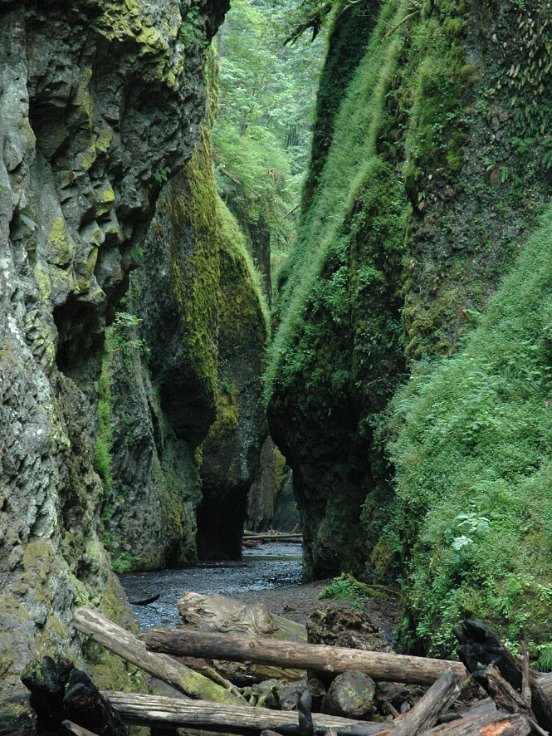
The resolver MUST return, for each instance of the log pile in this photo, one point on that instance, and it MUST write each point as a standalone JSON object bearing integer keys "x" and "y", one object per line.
{"x": 252, "y": 539}
{"x": 64, "y": 700}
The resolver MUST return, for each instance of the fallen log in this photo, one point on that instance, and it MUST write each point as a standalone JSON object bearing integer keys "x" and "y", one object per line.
{"x": 379, "y": 665}
{"x": 486, "y": 724}
{"x": 436, "y": 701}
{"x": 351, "y": 695}
{"x": 222, "y": 614}
{"x": 272, "y": 538}
{"x": 130, "y": 648}
{"x": 218, "y": 613}
{"x": 151, "y": 710}
{"x": 77, "y": 730}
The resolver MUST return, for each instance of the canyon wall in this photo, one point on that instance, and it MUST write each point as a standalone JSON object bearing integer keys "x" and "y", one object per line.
{"x": 101, "y": 101}
{"x": 430, "y": 167}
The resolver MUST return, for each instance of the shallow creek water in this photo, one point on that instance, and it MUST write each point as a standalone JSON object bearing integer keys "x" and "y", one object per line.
{"x": 267, "y": 566}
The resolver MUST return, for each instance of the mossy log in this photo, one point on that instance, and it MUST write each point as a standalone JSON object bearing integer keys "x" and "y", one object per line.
{"x": 130, "y": 648}
{"x": 351, "y": 695}
{"x": 379, "y": 665}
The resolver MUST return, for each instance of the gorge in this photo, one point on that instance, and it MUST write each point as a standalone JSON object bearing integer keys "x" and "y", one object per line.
{"x": 404, "y": 373}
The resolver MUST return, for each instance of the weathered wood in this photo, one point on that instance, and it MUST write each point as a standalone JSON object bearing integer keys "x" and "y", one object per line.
{"x": 146, "y": 601}
{"x": 350, "y": 695}
{"x": 481, "y": 651}
{"x": 76, "y": 729}
{"x": 436, "y": 701}
{"x": 85, "y": 705}
{"x": 503, "y": 694}
{"x": 486, "y": 724}
{"x": 272, "y": 538}
{"x": 219, "y": 613}
{"x": 129, "y": 647}
{"x": 148, "y": 710}
{"x": 379, "y": 665}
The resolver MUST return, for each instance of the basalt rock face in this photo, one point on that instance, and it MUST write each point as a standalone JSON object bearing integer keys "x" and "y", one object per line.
{"x": 182, "y": 385}
{"x": 426, "y": 177}
{"x": 231, "y": 451}
{"x": 97, "y": 98}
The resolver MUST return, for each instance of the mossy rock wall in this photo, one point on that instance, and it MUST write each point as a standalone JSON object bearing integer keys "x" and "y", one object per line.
{"x": 97, "y": 98}
{"x": 184, "y": 383}
{"x": 426, "y": 178}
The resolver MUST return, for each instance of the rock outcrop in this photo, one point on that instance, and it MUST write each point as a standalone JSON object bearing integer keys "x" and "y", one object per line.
{"x": 100, "y": 101}
{"x": 183, "y": 384}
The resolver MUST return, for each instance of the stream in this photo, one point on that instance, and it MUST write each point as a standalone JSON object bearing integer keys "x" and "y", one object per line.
{"x": 272, "y": 565}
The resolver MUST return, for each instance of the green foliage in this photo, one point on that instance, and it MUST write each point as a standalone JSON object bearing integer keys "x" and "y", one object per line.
{"x": 353, "y": 171}
{"x": 162, "y": 175}
{"x": 262, "y": 135}
{"x": 263, "y": 191}
{"x": 473, "y": 454}
{"x": 104, "y": 431}
{"x": 347, "y": 587}
{"x": 530, "y": 76}
{"x": 123, "y": 562}
{"x": 123, "y": 337}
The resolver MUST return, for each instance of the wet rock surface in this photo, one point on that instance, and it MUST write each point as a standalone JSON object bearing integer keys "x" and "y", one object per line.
{"x": 81, "y": 144}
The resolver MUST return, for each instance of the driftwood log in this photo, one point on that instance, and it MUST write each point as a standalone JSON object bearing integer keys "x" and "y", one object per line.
{"x": 129, "y": 647}
{"x": 485, "y": 724}
{"x": 427, "y": 711}
{"x": 147, "y": 710}
{"x": 351, "y": 695}
{"x": 221, "y": 614}
{"x": 379, "y": 665}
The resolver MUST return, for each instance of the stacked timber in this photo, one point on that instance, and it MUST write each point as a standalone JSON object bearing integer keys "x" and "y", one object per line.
{"x": 64, "y": 700}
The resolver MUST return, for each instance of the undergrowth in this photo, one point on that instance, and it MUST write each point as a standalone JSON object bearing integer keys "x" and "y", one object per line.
{"x": 347, "y": 588}
{"x": 472, "y": 448}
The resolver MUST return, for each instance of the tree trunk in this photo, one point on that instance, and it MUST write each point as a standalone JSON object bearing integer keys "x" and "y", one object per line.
{"x": 148, "y": 710}
{"x": 425, "y": 714}
{"x": 129, "y": 647}
{"x": 379, "y": 665}
{"x": 218, "y": 613}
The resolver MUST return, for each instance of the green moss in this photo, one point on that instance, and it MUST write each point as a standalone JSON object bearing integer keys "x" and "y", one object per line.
{"x": 104, "y": 432}
{"x": 195, "y": 276}
{"x": 472, "y": 448}
{"x": 154, "y": 34}
{"x": 83, "y": 99}
{"x": 42, "y": 278}
{"x": 59, "y": 247}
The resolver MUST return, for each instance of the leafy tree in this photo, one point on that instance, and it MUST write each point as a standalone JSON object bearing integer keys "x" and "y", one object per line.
{"x": 262, "y": 135}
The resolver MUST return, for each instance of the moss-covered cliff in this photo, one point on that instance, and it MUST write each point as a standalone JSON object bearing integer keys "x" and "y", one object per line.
{"x": 183, "y": 384}
{"x": 431, "y": 160}
{"x": 99, "y": 101}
